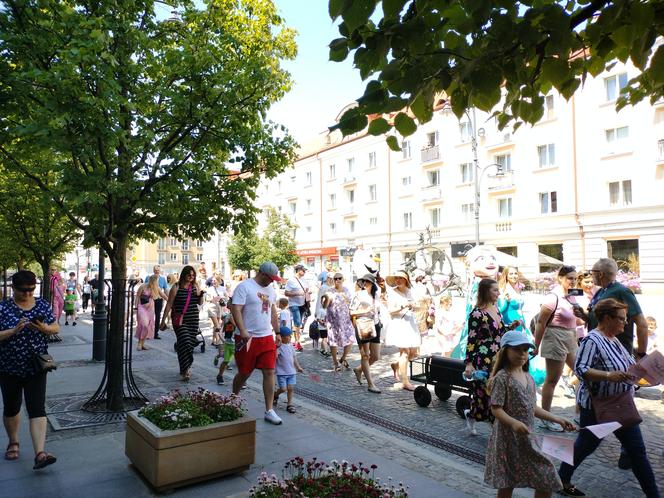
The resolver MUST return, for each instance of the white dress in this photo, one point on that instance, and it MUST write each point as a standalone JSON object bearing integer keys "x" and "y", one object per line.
{"x": 402, "y": 330}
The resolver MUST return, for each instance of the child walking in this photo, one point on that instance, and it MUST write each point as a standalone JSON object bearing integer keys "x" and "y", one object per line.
{"x": 286, "y": 368}
{"x": 285, "y": 317}
{"x": 226, "y": 350}
{"x": 513, "y": 456}
{"x": 70, "y": 306}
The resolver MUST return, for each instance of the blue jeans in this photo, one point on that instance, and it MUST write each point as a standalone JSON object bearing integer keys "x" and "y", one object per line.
{"x": 297, "y": 316}
{"x": 632, "y": 441}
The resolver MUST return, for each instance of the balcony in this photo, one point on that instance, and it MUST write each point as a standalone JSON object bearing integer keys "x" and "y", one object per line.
{"x": 660, "y": 151}
{"x": 498, "y": 184}
{"x": 504, "y": 227}
{"x": 349, "y": 179}
{"x": 431, "y": 193}
{"x": 429, "y": 154}
{"x": 349, "y": 210}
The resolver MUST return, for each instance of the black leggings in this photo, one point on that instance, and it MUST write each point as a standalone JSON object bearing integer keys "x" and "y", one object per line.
{"x": 33, "y": 389}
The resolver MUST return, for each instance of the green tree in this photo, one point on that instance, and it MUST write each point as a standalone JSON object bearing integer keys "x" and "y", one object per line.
{"x": 161, "y": 122}
{"x": 490, "y": 54}
{"x": 33, "y": 223}
{"x": 276, "y": 244}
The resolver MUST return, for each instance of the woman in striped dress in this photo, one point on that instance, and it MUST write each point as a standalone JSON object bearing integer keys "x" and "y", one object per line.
{"x": 183, "y": 299}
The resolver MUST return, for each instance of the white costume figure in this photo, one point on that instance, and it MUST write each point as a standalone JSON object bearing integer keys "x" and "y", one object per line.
{"x": 364, "y": 261}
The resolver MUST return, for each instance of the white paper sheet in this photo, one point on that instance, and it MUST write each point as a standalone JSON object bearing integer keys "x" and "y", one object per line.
{"x": 603, "y": 430}
{"x": 650, "y": 368}
{"x": 561, "y": 448}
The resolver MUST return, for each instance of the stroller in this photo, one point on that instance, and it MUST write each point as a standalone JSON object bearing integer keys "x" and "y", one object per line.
{"x": 200, "y": 341}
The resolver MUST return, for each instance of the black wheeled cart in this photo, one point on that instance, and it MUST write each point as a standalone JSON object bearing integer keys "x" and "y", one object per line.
{"x": 446, "y": 375}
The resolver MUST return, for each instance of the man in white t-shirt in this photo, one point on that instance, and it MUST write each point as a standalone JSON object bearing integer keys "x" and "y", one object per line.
{"x": 298, "y": 294}
{"x": 255, "y": 313}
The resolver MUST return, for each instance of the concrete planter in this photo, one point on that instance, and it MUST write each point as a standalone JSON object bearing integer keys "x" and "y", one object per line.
{"x": 168, "y": 459}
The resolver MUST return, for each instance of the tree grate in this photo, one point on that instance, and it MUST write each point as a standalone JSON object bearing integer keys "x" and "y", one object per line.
{"x": 455, "y": 449}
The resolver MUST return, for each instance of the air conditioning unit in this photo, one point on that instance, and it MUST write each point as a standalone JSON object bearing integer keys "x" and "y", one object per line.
{"x": 507, "y": 137}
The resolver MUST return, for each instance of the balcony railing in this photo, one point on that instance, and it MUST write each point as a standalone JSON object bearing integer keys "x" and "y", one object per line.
{"x": 660, "y": 150}
{"x": 430, "y": 154}
{"x": 350, "y": 178}
{"x": 350, "y": 210}
{"x": 499, "y": 183}
{"x": 431, "y": 193}
{"x": 504, "y": 227}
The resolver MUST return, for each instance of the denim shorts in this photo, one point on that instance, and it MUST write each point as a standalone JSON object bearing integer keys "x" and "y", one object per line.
{"x": 285, "y": 380}
{"x": 297, "y": 316}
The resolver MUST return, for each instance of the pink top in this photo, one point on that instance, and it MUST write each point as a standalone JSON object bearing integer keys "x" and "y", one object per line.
{"x": 564, "y": 315}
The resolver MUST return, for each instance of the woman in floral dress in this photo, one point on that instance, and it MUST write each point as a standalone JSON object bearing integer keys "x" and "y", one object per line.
{"x": 485, "y": 328}
{"x": 340, "y": 331}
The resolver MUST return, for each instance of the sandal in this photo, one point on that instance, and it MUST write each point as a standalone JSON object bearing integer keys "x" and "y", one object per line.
{"x": 11, "y": 454}
{"x": 345, "y": 364}
{"x": 290, "y": 409}
{"x": 43, "y": 459}
{"x": 571, "y": 491}
{"x": 358, "y": 376}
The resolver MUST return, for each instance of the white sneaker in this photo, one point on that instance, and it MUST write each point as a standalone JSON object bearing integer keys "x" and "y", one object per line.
{"x": 272, "y": 417}
{"x": 470, "y": 423}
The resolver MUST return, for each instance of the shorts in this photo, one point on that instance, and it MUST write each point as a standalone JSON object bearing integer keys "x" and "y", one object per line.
{"x": 69, "y": 312}
{"x": 262, "y": 354}
{"x": 297, "y": 316}
{"x": 322, "y": 333}
{"x": 229, "y": 352}
{"x": 286, "y": 380}
{"x": 557, "y": 343}
{"x": 373, "y": 340}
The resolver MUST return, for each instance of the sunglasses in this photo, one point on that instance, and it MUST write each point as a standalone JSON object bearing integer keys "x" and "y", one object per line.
{"x": 24, "y": 289}
{"x": 338, "y": 278}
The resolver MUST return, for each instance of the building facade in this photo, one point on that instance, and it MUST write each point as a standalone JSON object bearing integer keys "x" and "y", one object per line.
{"x": 584, "y": 182}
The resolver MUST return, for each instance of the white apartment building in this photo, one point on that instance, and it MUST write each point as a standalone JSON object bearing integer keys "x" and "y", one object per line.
{"x": 584, "y": 182}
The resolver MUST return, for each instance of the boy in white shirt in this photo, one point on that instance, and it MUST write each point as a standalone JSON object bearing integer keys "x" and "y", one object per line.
{"x": 285, "y": 317}
{"x": 286, "y": 369}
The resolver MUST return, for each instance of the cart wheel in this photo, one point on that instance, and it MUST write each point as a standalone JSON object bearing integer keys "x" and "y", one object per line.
{"x": 443, "y": 391}
{"x": 462, "y": 404}
{"x": 422, "y": 396}
{"x": 203, "y": 347}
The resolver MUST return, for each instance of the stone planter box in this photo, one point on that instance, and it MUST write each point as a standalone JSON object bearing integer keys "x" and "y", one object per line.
{"x": 168, "y": 459}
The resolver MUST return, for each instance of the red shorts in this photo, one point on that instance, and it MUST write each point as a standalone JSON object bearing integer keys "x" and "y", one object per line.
{"x": 262, "y": 354}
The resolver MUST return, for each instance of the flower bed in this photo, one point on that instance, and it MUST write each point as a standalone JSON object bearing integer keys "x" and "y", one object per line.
{"x": 630, "y": 280}
{"x": 199, "y": 408}
{"x": 314, "y": 478}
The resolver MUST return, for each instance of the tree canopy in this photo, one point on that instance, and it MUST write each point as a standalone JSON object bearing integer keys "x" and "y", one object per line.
{"x": 158, "y": 123}
{"x": 276, "y": 243}
{"x": 490, "y": 54}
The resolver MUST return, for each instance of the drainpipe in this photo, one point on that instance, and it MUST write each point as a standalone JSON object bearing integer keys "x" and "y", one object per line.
{"x": 389, "y": 210}
{"x": 577, "y": 216}
{"x": 320, "y": 197}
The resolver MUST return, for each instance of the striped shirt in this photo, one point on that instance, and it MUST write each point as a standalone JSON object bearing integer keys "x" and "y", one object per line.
{"x": 600, "y": 353}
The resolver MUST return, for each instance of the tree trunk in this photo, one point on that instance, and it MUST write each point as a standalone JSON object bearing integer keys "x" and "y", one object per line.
{"x": 45, "y": 264}
{"x": 115, "y": 338}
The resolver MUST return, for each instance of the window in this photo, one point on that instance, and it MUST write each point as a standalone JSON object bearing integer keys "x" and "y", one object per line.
{"x": 307, "y": 179}
{"x": 185, "y": 245}
{"x": 174, "y": 242}
{"x": 199, "y": 257}
{"x": 505, "y": 208}
{"x": 174, "y": 256}
{"x": 548, "y": 202}
{"x": 373, "y": 221}
{"x": 433, "y": 178}
{"x": 333, "y": 228}
{"x": 407, "y": 180}
{"x": 350, "y": 196}
{"x": 620, "y": 193}
{"x": 549, "y": 107}
{"x": 161, "y": 258}
{"x": 372, "y": 159}
{"x": 432, "y": 139}
{"x": 333, "y": 201}
{"x": 466, "y": 130}
{"x": 468, "y": 211}
{"x": 405, "y": 149}
{"x": 660, "y": 149}
{"x": 351, "y": 164}
{"x": 617, "y": 134}
{"x": 292, "y": 208}
{"x": 308, "y": 204}
{"x": 407, "y": 221}
{"x": 351, "y": 226}
{"x": 466, "y": 172}
{"x": 546, "y": 155}
{"x": 161, "y": 245}
{"x": 625, "y": 253}
{"x": 199, "y": 243}
{"x": 504, "y": 161}
{"x": 434, "y": 217}
{"x": 332, "y": 171}
{"x": 613, "y": 85}
{"x": 372, "y": 193}
{"x": 554, "y": 251}
{"x": 185, "y": 258}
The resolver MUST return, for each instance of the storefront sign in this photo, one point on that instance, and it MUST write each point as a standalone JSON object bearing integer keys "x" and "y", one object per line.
{"x": 320, "y": 251}
{"x": 459, "y": 249}
{"x": 348, "y": 252}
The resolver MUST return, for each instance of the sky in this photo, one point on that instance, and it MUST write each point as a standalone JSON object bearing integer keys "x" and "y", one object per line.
{"x": 321, "y": 88}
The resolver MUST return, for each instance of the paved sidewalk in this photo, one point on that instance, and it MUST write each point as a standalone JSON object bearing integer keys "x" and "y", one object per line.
{"x": 91, "y": 460}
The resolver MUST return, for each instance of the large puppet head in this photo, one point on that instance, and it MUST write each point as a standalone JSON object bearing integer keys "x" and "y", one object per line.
{"x": 481, "y": 262}
{"x": 365, "y": 261}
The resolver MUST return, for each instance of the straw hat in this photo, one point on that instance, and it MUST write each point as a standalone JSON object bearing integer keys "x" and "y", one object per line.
{"x": 391, "y": 279}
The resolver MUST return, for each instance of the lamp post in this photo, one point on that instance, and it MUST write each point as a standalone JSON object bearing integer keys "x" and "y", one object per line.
{"x": 99, "y": 318}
